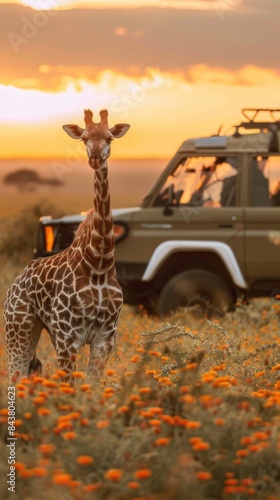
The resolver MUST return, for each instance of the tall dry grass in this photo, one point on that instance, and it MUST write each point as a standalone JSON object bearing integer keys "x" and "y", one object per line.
{"x": 186, "y": 410}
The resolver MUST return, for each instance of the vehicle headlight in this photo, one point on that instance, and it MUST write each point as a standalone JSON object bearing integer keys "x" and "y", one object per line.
{"x": 120, "y": 230}
{"x": 49, "y": 238}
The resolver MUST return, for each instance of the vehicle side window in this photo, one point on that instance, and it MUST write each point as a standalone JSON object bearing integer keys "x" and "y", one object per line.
{"x": 204, "y": 181}
{"x": 266, "y": 181}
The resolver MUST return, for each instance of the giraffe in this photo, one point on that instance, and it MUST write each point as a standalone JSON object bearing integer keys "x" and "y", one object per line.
{"x": 74, "y": 295}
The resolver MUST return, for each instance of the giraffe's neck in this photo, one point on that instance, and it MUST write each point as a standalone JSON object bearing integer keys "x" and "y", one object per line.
{"x": 98, "y": 237}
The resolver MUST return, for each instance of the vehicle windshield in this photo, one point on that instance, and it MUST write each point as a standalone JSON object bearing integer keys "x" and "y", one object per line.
{"x": 208, "y": 181}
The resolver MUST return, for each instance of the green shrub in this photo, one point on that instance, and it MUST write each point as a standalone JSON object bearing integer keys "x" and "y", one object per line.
{"x": 19, "y": 234}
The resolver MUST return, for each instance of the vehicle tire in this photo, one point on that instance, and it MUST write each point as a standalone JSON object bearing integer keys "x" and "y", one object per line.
{"x": 202, "y": 291}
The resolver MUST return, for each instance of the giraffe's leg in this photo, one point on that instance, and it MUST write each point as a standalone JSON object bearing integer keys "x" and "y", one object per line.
{"x": 67, "y": 348}
{"x": 35, "y": 365}
{"x": 19, "y": 320}
{"x": 100, "y": 350}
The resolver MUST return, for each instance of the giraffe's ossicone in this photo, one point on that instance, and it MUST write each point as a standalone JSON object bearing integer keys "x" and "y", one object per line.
{"x": 74, "y": 295}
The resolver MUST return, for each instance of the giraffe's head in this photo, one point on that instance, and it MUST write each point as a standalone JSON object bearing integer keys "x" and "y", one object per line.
{"x": 97, "y": 136}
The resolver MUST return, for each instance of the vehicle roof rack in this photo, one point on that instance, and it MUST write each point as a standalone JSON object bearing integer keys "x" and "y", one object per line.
{"x": 250, "y": 124}
{"x": 273, "y": 125}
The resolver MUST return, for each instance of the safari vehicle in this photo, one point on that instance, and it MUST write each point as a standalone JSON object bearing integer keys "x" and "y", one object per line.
{"x": 208, "y": 232}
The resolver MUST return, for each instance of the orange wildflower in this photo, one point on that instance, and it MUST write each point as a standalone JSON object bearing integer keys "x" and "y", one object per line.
{"x": 247, "y": 481}
{"x": 25, "y": 473}
{"x": 195, "y": 439}
{"x": 102, "y": 424}
{"x": 65, "y": 425}
{"x": 43, "y": 411}
{"x": 68, "y": 390}
{"x": 219, "y": 421}
{"x": 231, "y": 481}
{"x": 61, "y": 373}
{"x": 39, "y": 400}
{"x": 162, "y": 441}
{"x": 154, "y": 353}
{"x": 168, "y": 419}
{"x": 187, "y": 399}
{"x": 39, "y": 472}
{"x": 203, "y": 476}
{"x": 63, "y": 418}
{"x": 108, "y": 390}
{"x": 61, "y": 479}
{"x": 155, "y": 422}
{"x": 192, "y": 424}
{"x": 21, "y": 387}
{"x": 74, "y": 484}
{"x": 69, "y": 435}
{"x": 37, "y": 380}
{"x": 49, "y": 383}
{"x": 84, "y": 460}
{"x": 157, "y": 410}
{"x": 208, "y": 377}
{"x": 123, "y": 409}
{"x": 230, "y": 489}
{"x": 275, "y": 368}
{"x": 46, "y": 449}
{"x": 85, "y": 387}
{"x": 78, "y": 375}
{"x": 254, "y": 448}
{"x": 200, "y": 446}
{"x": 191, "y": 366}
{"x": 246, "y": 440}
{"x": 134, "y": 397}
{"x": 75, "y": 415}
{"x": 142, "y": 473}
{"x": 19, "y": 465}
{"x": 260, "y": 436}
{"x": 92, "y": 487}
{"x": 242, "y": 453}
{"x": 110, "y": 373}
{"x": 184, "y": 389}
{"x": 145, "y": 390}
{"x": 84, "y": 422}
{"x": 21, "y": 394}
{"x": 133, "y": 485}
{"x": 114, "y": 475}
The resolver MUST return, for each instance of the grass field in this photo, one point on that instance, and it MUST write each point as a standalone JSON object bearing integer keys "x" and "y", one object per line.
{"x": 187, "y": 409}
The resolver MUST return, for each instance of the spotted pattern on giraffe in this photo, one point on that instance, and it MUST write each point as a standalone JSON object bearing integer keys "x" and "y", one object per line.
{"x": 74, "y": 295}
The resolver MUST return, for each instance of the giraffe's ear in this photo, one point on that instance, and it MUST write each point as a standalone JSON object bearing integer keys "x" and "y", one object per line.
{"x": 73, "y": 130}
{"x": 119, "y": 130}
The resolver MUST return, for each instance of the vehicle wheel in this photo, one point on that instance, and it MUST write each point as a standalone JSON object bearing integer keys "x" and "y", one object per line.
{"x": 205, "y": 292}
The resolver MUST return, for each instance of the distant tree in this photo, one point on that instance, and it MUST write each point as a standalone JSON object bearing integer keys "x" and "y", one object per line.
{"x": 27, "y": 180}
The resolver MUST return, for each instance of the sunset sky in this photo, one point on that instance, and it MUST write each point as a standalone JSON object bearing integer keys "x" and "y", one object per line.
{"x": 172, "y": 69}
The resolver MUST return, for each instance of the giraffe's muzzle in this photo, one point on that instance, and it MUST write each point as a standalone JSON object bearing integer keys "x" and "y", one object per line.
{"x": 94, "y": 161}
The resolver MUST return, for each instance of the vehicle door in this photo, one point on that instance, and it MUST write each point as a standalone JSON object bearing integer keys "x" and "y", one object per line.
{"x": 199, "y": 201}
{"x": 262, "y": 219}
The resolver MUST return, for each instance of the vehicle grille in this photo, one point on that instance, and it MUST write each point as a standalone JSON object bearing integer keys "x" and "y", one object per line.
{"x": 64, "y": 235}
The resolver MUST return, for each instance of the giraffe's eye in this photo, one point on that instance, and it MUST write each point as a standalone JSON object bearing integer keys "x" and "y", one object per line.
{"x": 84, "y": 139}
{"x": 109, "y": 140}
